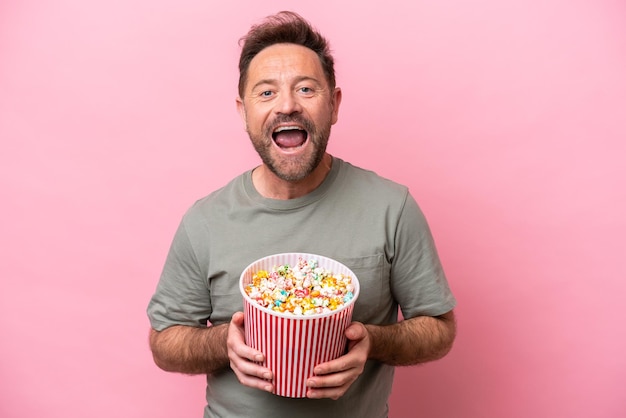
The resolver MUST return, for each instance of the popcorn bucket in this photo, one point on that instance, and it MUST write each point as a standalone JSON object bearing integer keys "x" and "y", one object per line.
{"x": 294, "y": 344}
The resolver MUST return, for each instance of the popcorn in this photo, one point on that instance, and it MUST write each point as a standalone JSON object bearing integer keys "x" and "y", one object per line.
{"x": 288, "y": 302}
{"x": 304, "y": 289}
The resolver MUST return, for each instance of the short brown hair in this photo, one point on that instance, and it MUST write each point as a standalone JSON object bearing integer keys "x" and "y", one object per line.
{"x": 284, "y": 27}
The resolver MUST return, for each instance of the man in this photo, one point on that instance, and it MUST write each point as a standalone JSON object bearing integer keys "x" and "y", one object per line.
{"x": 300, "y": 199}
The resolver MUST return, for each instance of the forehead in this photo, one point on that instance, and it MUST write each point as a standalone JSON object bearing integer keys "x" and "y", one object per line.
{"x": 283, "y": 61}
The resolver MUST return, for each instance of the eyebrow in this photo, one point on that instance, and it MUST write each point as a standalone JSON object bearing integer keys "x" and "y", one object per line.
{"x": 272, "y": 81}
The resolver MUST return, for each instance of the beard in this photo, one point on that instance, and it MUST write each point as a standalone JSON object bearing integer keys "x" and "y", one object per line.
{"x": 295, "y": 168}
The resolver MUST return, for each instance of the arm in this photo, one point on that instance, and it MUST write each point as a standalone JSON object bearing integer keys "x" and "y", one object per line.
{"x": 411, "y": 341}
{"x": 190, "y": 350}
{"x": 210, "y": 350}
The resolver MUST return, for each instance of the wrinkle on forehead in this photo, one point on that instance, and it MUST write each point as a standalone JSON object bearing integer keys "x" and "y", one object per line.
{"x": 285, "y": 63}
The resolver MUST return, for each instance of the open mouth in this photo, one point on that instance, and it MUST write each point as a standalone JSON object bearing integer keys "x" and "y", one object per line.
{"x": 289, "y": 136}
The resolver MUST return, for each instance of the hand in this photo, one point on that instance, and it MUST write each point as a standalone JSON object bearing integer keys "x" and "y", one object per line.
{"x": 244, "y": 359}
{"x": 332, "y": 379}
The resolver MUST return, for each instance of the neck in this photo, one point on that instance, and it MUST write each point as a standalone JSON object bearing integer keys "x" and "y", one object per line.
{"x": 273, "y": 187}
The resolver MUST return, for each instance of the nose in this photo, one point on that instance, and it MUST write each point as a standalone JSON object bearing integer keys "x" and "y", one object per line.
{"x": 287, "y": 103}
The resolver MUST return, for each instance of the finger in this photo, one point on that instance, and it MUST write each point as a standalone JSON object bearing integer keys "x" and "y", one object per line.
{"x": 245, "y": 360}
{"x": 239, "y": 349}
{"x": 353, "y": 359}
{"x": 238, "y": 319}
{"x": 243, "y": 367}
{"x": 338, "y": 365}
{"x": 254, "y": 382}
{"x": 331, "y": 380}
{"x": 356, "y": 331}
{"x": 249, "y": 372}
{"x": 235, "y": 341}
{"x": 331, "y": 386}
{"x": 334, "y": 393}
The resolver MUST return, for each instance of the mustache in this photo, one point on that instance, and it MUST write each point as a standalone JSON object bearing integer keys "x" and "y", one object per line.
{"x": 295, "y": 119}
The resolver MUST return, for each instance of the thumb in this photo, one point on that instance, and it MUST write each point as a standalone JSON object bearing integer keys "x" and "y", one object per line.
{"x": 237, "y": 318}
{"x": 356, "y": 331}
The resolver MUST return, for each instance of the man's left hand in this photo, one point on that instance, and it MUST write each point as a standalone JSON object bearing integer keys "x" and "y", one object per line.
{"x": 332, "y": 379}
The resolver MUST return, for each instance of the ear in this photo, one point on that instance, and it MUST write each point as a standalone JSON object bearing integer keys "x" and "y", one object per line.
{"x": 242, "y": 112}
{"x": 336, "y": 101}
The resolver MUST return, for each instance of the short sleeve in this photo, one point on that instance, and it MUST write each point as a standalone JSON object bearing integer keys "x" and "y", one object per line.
{"x": 418, "y": 281}
{"x": 182, "y": 295}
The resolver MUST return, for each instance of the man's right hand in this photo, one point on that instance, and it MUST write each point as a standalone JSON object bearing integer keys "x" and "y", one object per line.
{"x": 244, "y": 360}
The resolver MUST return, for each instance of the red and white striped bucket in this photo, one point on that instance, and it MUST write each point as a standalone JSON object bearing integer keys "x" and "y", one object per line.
{"x": 294, "y": 344}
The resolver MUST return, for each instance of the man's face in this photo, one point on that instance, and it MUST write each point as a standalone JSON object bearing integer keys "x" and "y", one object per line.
{"x": 288, "y": 109}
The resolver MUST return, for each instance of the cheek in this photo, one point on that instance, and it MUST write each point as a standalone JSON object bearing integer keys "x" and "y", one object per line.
{"x": 325, "y": 117}
{"x": 254, "y": 123}
{"x": 256, "y": 119}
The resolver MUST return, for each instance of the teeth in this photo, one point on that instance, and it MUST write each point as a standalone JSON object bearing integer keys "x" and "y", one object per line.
{"x": 287, "y": 128}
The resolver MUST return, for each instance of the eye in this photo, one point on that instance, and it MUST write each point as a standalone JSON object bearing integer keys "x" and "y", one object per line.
{"x": 306, "y": 90}
{"x": 266, "y": 93}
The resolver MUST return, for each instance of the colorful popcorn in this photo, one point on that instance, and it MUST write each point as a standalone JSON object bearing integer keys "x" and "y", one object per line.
{"x": 304, "y": 289}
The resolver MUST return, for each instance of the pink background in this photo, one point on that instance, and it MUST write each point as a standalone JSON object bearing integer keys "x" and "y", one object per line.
{"x": 505, "y": 118}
